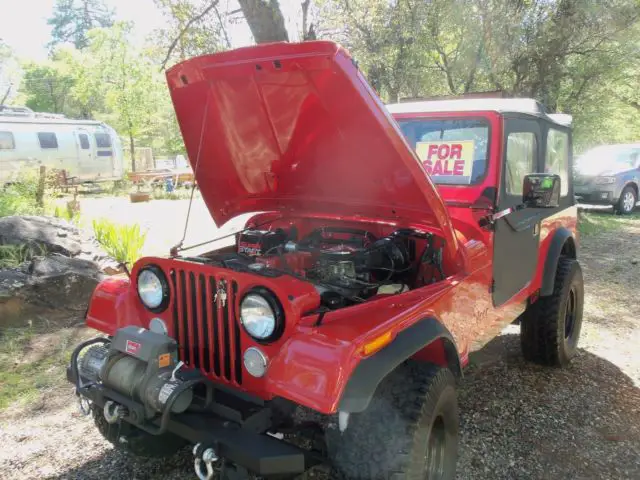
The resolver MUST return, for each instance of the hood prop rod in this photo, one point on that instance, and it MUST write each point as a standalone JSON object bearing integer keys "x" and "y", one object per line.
{"x": 173, "y": 252}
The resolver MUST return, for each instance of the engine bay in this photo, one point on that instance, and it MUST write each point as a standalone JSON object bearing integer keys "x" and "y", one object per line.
{"x": 346, "y": 264}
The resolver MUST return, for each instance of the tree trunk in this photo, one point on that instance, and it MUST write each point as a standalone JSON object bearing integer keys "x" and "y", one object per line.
{"x": 132, "y": 149}
{"x": 265, "y": 20}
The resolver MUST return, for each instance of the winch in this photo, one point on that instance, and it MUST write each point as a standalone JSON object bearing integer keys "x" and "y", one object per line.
{"x": 139, "y": 364}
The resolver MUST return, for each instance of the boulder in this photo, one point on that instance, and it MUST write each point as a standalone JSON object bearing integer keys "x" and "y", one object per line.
{"x": 52, "y": 283}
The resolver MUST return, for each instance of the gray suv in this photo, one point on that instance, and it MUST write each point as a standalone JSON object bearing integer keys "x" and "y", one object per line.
{"x": 608, "y": 175}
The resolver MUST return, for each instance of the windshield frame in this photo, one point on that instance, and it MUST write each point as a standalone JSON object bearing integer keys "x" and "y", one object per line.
{"x": 446, "y": 116}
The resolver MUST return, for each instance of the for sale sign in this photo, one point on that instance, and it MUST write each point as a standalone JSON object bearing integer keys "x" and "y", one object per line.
{"x": 450, "y": 159}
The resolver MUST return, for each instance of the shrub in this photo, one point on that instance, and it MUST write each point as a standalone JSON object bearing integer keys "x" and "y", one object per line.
{"x": 122, "y": 242}
{"x": 20, "y": 196}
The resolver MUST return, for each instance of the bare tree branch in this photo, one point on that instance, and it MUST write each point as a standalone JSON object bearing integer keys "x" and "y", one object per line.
{"x": 191, "y": 21}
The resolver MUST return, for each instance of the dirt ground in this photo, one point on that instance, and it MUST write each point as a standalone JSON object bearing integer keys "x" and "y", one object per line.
{"x": 518, "y": 421}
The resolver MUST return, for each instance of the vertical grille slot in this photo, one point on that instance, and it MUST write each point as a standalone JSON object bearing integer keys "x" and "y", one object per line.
{"x": 205, "y": 326}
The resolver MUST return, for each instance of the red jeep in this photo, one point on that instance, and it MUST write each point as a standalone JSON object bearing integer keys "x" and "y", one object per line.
{"x": 356, "y": 292}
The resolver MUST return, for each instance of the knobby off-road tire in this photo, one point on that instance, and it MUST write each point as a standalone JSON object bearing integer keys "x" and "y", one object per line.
{"x": 134, "y": 441}
{"x": 627, "y": 202}
{"x": 550, "y": 327}
{"x": 409, "y": 429}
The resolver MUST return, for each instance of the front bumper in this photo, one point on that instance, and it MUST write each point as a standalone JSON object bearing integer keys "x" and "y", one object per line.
{"x": 600, "y": 195}
{"x": 234, "y": 426}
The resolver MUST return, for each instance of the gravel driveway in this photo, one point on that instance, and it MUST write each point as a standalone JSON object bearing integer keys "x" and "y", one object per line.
{"x": 518, "y": 421}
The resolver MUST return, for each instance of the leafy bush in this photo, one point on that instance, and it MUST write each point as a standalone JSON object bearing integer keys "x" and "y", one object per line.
{"x": 122, "y": 242}
{"x": 12, "y": 256}
{"x": 20, "y": 197}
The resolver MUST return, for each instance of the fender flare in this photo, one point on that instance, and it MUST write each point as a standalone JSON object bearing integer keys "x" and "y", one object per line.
{"x": 368, "y": 374}
{"x": 560, "y": 237}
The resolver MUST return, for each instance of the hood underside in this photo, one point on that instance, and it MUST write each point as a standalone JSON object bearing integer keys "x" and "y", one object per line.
{"x": 296, "y": 128}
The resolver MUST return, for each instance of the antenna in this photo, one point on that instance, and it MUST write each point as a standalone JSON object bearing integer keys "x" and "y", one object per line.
{"x": 176, "y": 248}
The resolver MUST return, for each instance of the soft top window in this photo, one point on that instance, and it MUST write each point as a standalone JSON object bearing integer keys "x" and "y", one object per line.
{"x": 103, "y": 140}
{"x": 453, "y": 151}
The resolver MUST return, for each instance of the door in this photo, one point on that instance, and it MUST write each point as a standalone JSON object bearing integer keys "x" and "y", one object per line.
{"x": 86, "y": 166}
{"x": 517, "y": 234}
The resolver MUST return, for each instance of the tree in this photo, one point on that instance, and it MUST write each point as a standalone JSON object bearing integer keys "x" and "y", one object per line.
{"x": 72, "y": 20}
{"x": 265, "y": 20}
{"x": 9, "y": 73}
{"x": 47, "y": 87}
{"x": 131, "y": 87}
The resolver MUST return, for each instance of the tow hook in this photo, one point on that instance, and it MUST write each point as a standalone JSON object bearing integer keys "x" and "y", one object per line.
{"x": 207, "y": 456}
{"x": 113, "y": 412}
{"x": 84, "y": 405}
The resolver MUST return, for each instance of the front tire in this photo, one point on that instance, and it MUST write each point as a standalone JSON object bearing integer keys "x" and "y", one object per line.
{"x": 125, "y": 437}
{"x": 627, "y": 201}
{"x": 409, "y": 431}
{"x": 550, "y": 328}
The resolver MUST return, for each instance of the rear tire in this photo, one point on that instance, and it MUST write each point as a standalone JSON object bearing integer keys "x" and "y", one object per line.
{"x": 409, "y": 431}
{"x": 550, "y": 328}
{"x": 627, "y": 202}
{"x": 125, "y": 437}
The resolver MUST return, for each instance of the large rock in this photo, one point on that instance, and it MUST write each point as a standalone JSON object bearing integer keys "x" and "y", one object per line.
{"x": 52, "y": 283}
{"x": 55, "y": 235}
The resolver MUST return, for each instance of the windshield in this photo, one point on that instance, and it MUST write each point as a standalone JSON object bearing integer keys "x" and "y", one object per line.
{"x": 604, "y": 158}
{"x": 453, "y": 151}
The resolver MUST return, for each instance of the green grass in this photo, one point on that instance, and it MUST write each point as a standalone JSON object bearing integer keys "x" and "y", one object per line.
{"x": 23, "y": 382}
{"x": 598, "y": 222}
{"x": 124, "y": 243}
{"x": 12, "y": 256}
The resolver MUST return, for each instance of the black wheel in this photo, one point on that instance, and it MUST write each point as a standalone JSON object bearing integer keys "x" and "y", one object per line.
{"x": 130, "y": 439}
{"x": 409, "y": 431}
{"x": 550, "y": 328}
{"x": 627, "y": 201}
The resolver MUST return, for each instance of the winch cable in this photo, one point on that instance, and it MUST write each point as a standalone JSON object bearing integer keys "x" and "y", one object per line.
{"x": 176, "y": 248}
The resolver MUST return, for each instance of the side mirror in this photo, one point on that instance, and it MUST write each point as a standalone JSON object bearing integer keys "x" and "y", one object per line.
{"x": 541, "y": 190}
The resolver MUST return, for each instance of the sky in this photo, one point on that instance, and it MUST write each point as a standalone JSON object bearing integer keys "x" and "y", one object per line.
{"x": 23, "y": 23}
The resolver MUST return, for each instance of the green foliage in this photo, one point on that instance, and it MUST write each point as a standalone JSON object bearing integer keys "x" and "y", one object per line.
{"x": 19, "y": 198}
{"x": 12, "y": 256}
{"x": 592, "y": 223}
{"x": 72, "y": 20}
{"x": 124, "y": 243}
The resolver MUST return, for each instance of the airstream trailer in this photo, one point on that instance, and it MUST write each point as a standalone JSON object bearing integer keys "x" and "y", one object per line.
{"x": 87, "y": 150}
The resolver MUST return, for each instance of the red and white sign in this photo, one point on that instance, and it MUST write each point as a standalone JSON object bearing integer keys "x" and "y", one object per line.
{"x": 133, "y": 347}
{"x": 447, "y": 158}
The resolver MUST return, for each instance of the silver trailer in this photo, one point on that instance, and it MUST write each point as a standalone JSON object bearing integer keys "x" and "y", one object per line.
{"x": 88, "y": 150}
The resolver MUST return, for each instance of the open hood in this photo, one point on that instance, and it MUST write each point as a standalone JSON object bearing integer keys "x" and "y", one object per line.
{"x": 296, "y": 128}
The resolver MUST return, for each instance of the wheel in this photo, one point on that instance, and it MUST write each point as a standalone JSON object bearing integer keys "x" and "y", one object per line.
{"x": 409, "y": 430}
{"x": 627, "y": 201}
{"x": 550, "y": 328}
{"x": 130, "y": 439}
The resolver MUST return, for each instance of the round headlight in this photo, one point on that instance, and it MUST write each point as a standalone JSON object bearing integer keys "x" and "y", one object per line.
{"x": 255, "y": 362}
{"x": 261, "y": 315}
{"x": 153, "y": 289}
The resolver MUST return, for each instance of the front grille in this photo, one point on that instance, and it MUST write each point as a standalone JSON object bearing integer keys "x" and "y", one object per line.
{"x": 205, "y": 327}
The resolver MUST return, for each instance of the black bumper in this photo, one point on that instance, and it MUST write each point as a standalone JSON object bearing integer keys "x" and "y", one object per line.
{"x": 236, "y": 435}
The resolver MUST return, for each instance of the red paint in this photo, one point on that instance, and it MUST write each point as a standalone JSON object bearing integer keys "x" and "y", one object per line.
{"x": 326, "y": 153}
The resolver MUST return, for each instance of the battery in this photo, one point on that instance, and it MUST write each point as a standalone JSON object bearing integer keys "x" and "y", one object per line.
{"x": 260, "y": 242}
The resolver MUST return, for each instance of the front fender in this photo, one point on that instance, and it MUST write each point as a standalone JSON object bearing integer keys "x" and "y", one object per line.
{"x": 327, "y": 374}
{"x": 111, "y": 306}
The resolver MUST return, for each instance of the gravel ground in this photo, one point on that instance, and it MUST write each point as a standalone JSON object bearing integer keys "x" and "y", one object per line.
{"x": 518, "y": 421}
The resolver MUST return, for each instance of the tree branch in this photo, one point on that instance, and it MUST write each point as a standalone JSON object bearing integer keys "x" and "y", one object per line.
{"x": 191, "y": 21}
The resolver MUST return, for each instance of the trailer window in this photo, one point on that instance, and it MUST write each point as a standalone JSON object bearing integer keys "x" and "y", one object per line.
{"x": 84, "y": 141}
{"x": 103, "y": 140}
{"x": 7, "y": 141}
{"x": 48, "y": 140}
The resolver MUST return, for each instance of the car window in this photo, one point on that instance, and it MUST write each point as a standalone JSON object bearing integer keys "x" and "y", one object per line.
{"x": 7, "y": 142}
{"x": 48, "y": 140}
{"x": 84, "y": 141}
{"x": 557, "y": 157}
{"x": 521, "y": 155}
{"x": 103, "y": 140}
{"x": 453, "y": 151}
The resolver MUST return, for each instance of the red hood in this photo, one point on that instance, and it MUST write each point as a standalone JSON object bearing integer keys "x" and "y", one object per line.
{"x": 295, "y": 127}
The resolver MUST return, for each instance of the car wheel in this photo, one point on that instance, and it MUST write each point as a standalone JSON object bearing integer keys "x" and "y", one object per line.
{"x": 550, "y": 328}
{"x": 409, "y": 430}
{"x": 627, "y": 201}
{"x": 125, "y": 437}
